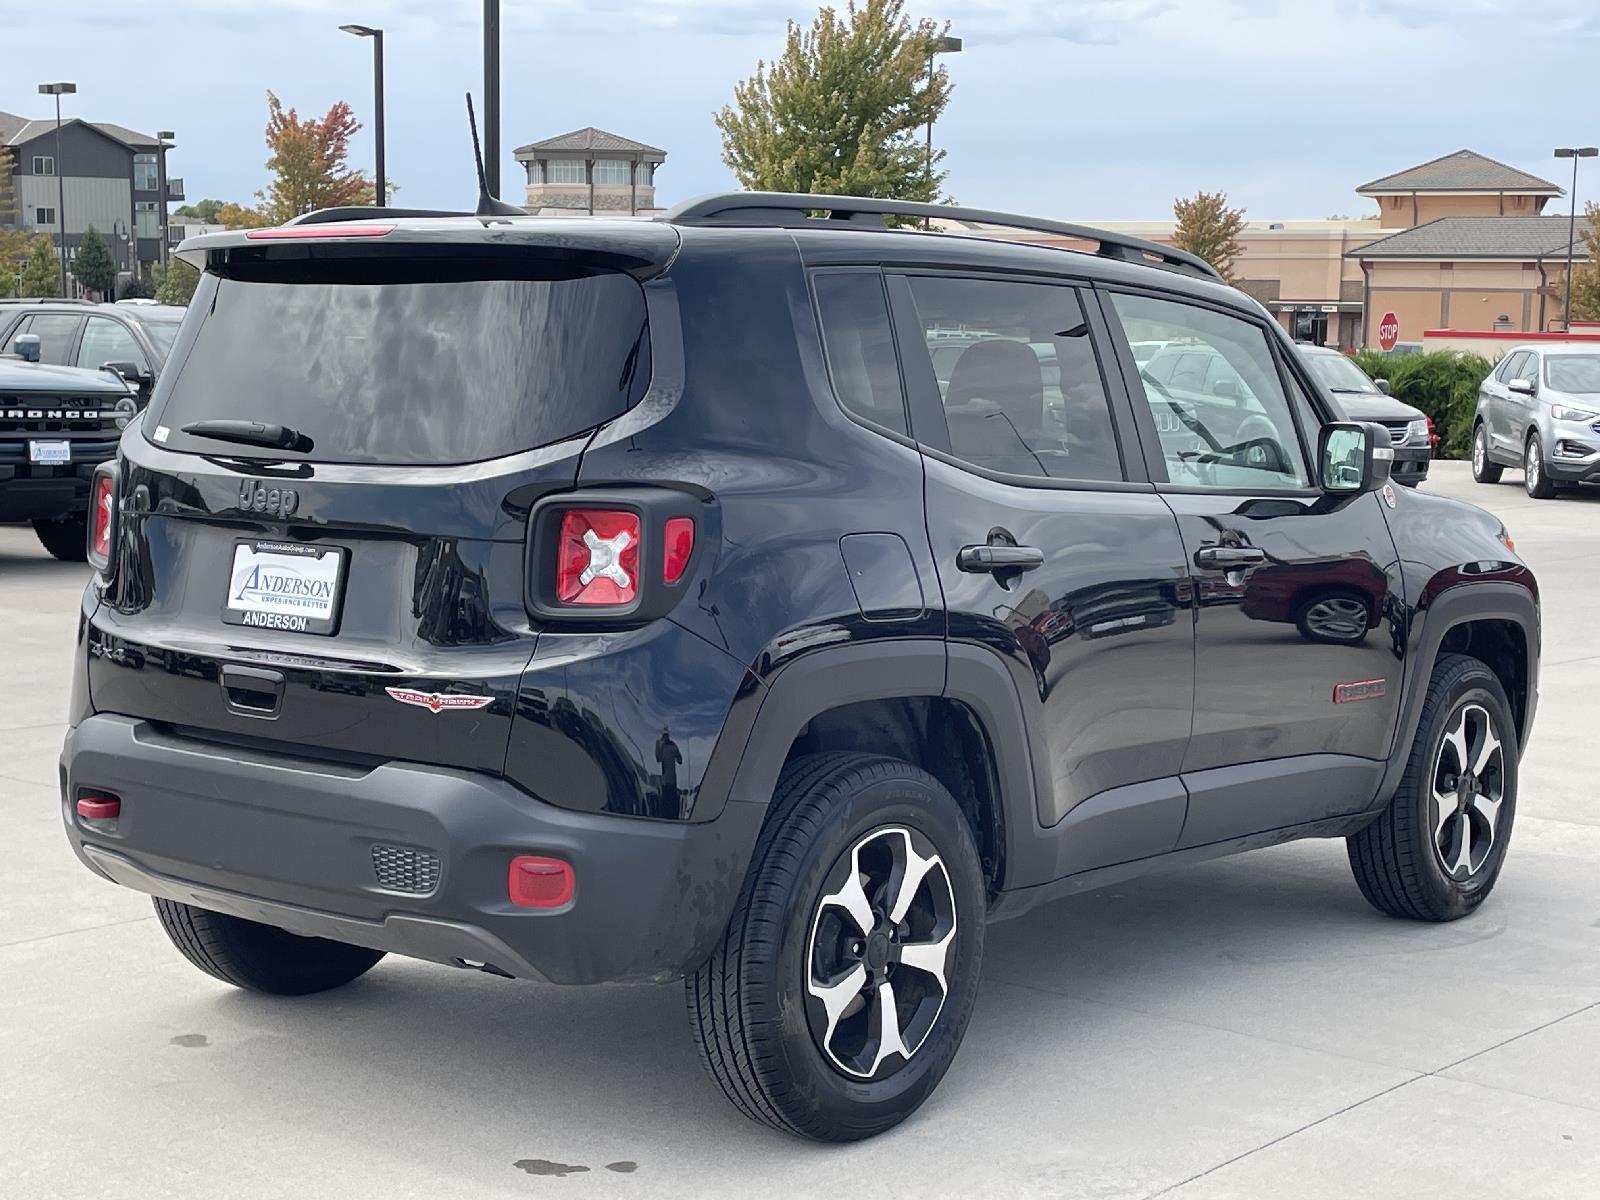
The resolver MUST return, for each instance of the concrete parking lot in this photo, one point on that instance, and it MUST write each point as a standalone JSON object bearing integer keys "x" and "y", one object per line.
{"x": 1244, "y": 1028}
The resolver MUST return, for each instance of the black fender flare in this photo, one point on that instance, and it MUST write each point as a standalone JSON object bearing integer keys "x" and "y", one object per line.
{"x": 1495, "y": 600}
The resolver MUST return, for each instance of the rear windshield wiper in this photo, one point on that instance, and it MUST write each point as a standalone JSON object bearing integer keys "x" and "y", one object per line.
{"x": 251, "y": 433}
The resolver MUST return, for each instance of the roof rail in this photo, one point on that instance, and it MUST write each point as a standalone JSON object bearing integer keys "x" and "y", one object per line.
{"x": 367, "y": 212}
{"x": 793, "y": 209}
{"x": 46, "y": 300}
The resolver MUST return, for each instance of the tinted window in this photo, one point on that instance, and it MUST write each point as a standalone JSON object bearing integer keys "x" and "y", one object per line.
{"x": 860, "y": 346}
{"x": 1247, "y": 440}
{"x": 162, "y": 334}
{"x": 106, "y": 341}
{"x": 55, "y": 332}
{"x": 1573, "y": 372}
{"x": 1024, "y": 395}
{"x": 1512, "y": 367}
{"x": 1338, "y": 374}
{"x": 412, "y": 369}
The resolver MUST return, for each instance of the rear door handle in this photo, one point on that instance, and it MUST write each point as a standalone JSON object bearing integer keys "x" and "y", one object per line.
{"x": 1228, "y": 558}
{"x": 990, "y": 560}
{"x": 252, "y": 691}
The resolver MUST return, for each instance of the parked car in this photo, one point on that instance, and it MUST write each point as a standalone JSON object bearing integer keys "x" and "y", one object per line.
{"x": 627, "y": 600}
{"x": 74, "y": 333}
{"x": 1362, "y": 398}
{"x": 1540, "y": 409}
{"x": 57, "y": 424}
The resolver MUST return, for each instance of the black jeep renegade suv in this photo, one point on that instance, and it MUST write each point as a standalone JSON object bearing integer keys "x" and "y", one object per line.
{"x": 633, "y": 600}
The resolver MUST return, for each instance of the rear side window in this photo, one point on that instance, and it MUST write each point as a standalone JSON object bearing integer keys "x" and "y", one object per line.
{"x": 860, "y": 346}
{"x": 389, "y": 361}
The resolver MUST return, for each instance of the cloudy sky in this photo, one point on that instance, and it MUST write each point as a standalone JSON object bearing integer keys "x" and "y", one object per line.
{"x": 1064, "y": 108}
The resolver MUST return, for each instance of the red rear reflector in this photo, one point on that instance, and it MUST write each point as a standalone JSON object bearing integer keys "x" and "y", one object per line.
{"x": 597, "y": 556}
{"x": 535, "y": 882}
{"x": 335, "y": 229}
{"x": 98, "y": 806}
{"x": 680, "y": 545}
{"x": 100, "y": 512}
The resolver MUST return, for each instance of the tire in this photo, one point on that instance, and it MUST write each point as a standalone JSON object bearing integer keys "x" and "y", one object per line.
{"x": 67, "y": 538}
{"x": 1400, "y": 860}
{"x": 1535, "y": 478}
{"x": 780, "y": 1053}
{"x": 1484, "y": 469}
{"x": 261, "y": 958}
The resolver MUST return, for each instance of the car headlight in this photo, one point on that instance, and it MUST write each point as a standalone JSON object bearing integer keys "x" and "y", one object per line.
{"x": 125, "y": 410}
{"x": 1565, "y": 412}
{"x": 1417, "y": 431}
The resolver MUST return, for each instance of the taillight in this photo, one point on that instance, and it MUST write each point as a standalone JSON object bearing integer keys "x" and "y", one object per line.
{"x": 1433, "y": 436}
{"x": 338, "y": 229}
{"x": 102, "y": 519}
{"x": 597, "y": 556}
{"x": 679, "y": 536}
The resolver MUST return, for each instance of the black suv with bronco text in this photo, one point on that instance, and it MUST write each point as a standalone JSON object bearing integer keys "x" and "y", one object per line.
{"x": 618, "y": 600}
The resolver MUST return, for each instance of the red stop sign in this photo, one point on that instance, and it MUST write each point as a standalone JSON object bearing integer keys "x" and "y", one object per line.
{"x": 1388, "y": 331}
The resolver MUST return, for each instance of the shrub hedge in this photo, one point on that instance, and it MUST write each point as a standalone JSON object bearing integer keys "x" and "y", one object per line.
{"x": 1443, "y": 384}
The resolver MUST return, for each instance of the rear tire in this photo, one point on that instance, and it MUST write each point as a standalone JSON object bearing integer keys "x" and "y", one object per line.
{"x": 1436, "y": 851}
{"x": 789, "y": 1012}
{"x": 261, "y": 958}
{"x": 1535, "y": 478}
{"x": 1483, "y": 470}
{"x": 67, "y": 538}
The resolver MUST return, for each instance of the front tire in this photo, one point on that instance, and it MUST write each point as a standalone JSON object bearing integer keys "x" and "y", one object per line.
{"x": 842, "y": 988}
{"x": 1435, "y": 852}
{"x": 67, "y": 538}
{"x": 1483, "y": 469}
{"x": 261, "y": 958}
{"x": 1535, "y": 478}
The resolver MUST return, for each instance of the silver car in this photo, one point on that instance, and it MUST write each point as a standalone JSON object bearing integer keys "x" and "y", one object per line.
{"x": 1540, "y": 410}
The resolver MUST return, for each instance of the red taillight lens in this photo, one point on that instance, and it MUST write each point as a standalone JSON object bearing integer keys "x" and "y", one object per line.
{"x": 679, "y": 546}
{"x": 102, "y": 508}
{"x": 1433, "y": 436}
{"x": 597, "y": 556}
{"x": 537, "y": 882}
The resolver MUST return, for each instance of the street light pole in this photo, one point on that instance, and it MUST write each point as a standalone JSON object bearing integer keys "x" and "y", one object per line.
{"x": 164, "y": 137}
{"x": 945, "y": 45}
{"x": 59, "y": 90}
{"x": 491, "y": 95}
{"x": 1574, "y": 153}
{"x": 382, "y": 194}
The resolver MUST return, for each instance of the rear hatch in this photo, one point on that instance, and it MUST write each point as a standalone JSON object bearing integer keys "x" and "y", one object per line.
{"x": 357, "y": 591}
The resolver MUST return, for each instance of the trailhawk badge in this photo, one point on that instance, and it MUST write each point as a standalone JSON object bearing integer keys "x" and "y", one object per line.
{"x": 438, "y": 702}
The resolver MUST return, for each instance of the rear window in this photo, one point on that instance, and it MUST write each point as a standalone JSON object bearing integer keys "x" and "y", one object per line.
{"x": 384, "y": 361}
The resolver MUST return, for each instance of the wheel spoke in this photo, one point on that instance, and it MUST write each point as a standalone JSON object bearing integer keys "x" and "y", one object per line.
{"x": 1456, "y": 739}
{"x": 836, "y": 996}
{"x": 929, "y": 957}
{"x": 853, "y": 899}
{"x": 911, "y": 877}
{"x": 1489, "y": 809}
{"x": 1447, "y": 809}
{"x": 1463, "y": 860}
{"x": 885, "y": 1026}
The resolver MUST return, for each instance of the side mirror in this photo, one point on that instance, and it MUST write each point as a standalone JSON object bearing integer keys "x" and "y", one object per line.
{"x": 1226, "y": 388}
{"x": 129, "y": 371}
{"x": 1383, "y": 386}
{"x": 27, "y": 347}
{"x": 1523, "y": 387}
{"x": 1354, "y": 457}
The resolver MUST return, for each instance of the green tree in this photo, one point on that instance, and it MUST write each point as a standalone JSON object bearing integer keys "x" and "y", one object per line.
{"x": 843, "y": 109}
{"x": 41, "y": 274}
{"x": 175, "y": 282}
{"x": 1209, "y": 228}
{"x": 201, "y": 210}
{"x": 309, "y": 163}
{"x": 136, "y": 289}
{"x": 1586, "y": 277}
{"x": 237, "y": 216}
{"x": 92, "y": 265}
{"x": 13, "y": 241}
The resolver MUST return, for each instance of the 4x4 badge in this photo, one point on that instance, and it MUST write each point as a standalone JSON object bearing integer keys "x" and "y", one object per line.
{"x": 437, "y": 702}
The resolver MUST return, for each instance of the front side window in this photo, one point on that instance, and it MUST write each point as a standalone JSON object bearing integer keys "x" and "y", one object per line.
{"x": 1019, "y": 378}
{"x": 1573, "y": 372}
{"x": 612, "y": 172}
{"x": 145, "y": 173}
{"x": 859, "y": 342}
{"x": 566, "y": 170}
{"x": 1225, "y": 424}
{"x": 1511, "y": 368}
{"x": 55, "y": 332}
{"x": 107, "y": 341}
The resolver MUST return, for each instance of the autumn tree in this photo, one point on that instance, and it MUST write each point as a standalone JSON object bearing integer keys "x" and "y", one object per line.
{"x": 237, "y": 216}
{"x": 92, "y": 265}
{"x": 13, "y": 241}
{"x": 41, "y": 273}
{"x": 1586, "y": 276}
{"x": 1207, "y": 227}
{"x": 309, "y": 163}
{"x": 175, "y": 282}
{"x": 843, "y": 109}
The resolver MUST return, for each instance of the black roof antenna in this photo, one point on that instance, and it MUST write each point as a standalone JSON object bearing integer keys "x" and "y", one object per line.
{"x": 488, "y": 206}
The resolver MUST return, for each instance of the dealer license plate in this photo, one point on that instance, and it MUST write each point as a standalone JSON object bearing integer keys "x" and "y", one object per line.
{"x": 285, "y": 585}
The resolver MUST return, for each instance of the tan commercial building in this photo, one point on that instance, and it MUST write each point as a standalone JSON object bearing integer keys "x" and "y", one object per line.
{"x": 592, "y": 172}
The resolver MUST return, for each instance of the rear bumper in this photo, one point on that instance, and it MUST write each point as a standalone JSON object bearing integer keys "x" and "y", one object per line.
{"x": 290, "y": 842}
